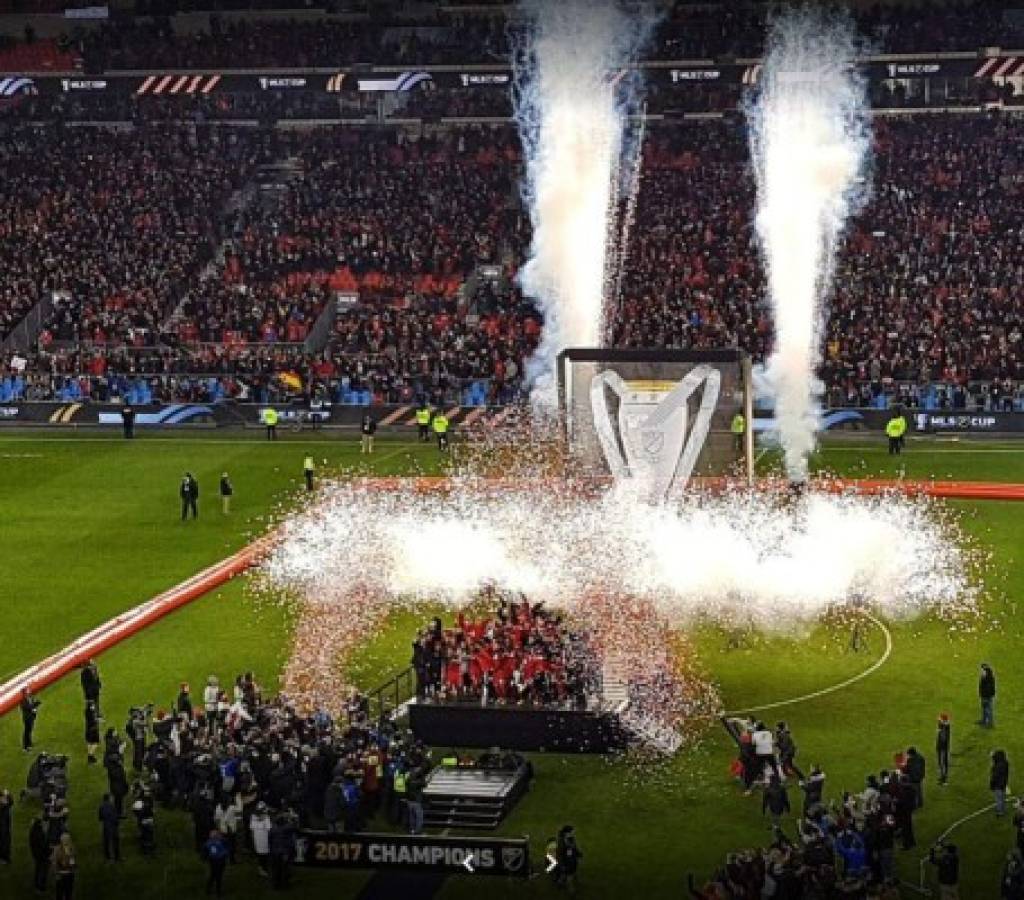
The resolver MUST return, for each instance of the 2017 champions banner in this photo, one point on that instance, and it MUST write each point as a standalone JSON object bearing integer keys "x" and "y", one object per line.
{"x": 425, "y": 853}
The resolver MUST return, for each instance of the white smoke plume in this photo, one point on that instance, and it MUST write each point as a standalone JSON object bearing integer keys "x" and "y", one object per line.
{"x": 809, "y": 137}
{"x": 734, "y": 558}
{"x": 574, "y": 88}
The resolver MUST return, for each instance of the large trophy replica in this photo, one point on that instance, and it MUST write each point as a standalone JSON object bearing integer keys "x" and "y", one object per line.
{"x": 655, "y": 419}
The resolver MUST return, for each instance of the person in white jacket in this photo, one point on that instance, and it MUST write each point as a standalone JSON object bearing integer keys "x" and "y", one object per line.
{"x": 259, "y": 827}
{"x": 227, "y": 817}
{"x": 210, "y": 694}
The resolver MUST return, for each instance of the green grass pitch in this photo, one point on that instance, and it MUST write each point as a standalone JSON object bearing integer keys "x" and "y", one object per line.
{"x": 89, "y": 527}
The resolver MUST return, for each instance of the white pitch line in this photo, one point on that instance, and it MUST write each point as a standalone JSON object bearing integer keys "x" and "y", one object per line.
{"x": 881, "y": 661}
{"x": 255, "y": 442}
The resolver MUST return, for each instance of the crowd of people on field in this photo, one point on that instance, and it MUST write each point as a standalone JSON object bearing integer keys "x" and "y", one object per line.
{"x": 829, "y": 848}
{"x": 519, "y": 654}
{"x": 247, "y": 768}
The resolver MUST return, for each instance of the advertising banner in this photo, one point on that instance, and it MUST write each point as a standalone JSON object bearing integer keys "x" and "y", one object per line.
{"x": 423, "y": 853}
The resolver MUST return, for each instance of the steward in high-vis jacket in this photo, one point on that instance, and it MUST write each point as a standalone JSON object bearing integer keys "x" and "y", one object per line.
{"x": 423, "y": 423}
{"x": 895, "y": 429}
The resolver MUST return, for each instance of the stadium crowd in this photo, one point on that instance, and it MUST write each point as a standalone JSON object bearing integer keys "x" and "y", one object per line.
{"x": 420, "y": 35}
{"x": 927, "y": 304}
{"x": 521, "y": 655}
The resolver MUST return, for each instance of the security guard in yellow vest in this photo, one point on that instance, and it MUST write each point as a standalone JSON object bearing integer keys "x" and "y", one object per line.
{"x": 895, "y": 429}
{"x": 270, "y": 418}
{"x": 423, "y": 423}
{"x": 738, "y": 429}
{"x": 396, "y": 802}
{"x": 441, "y": 430}
{"x": 307, "y": 472}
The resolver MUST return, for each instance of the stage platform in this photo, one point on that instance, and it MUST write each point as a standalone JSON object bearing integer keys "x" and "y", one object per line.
{"x": 517, "y": 727}
{"x": 475, "y": 798}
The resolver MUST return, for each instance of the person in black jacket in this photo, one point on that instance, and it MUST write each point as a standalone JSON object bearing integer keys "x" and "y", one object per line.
{"x": 914, "y": 769}
{"x": 282, "y": 845}
{"x": 91, "y": 684}
{"x": 128, "y": 421}
{"x": 226, "y": 490}
{"x": 111, "y": 821}
{"x": 39, "y": 845}
{"x": 987, "y": 695}
{"x": 943, "y": 738}
{"x": 29, "y": 710}
{"x": 775, "y": 800}
{"x": 189, "y": 493}
{"x": 368, "y": 429}
{"x": 117, "y": 779}
{"x": 6, "y": 824}
{"x": 946, "y": 860}
{"x": 999, "y": 780}
{"x": 567, "y": 856}
{"x": 92, "y": 731}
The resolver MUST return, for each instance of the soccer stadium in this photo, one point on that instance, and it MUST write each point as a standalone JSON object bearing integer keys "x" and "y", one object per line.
{"x": 511, "y": 448}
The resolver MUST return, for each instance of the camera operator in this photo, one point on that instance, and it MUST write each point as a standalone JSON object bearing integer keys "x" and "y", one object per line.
{"x": 137, "y": 729}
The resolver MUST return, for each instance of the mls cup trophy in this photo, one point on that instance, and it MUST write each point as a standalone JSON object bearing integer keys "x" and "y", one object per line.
{"x": 656, "y": 447}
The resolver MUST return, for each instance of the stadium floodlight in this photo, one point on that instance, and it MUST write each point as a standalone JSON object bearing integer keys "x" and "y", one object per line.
{"x": 657, "y": 418}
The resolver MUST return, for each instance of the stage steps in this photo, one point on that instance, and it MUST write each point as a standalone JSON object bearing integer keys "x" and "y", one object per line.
{"x": 472, "y": 798}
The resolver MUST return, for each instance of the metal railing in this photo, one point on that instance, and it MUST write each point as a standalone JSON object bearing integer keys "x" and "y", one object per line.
{"x": 387, "y": 699}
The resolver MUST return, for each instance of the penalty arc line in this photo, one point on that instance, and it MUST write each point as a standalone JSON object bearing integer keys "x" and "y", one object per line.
{"x": 814, "y": 695}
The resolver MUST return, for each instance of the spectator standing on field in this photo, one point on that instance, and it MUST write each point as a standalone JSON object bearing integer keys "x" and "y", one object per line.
{"x": 999, "y": 780}
{"x": 91, "y": 684}
{"x": 946, "y": 860}
{"x": 943, "y": 738}
{"x": 226, "y": 490}
{"x": 29, "y": 711}
{"x": 64, "y": 866}
{"x": 39, "y": 845}
{"x": 6, "y": 826}
{"x": 259, "y": 827}
{"x": 189, "y": 493}
{"x": 307, "y": 472}
{"x": 368, "y": 428}
{"x": 567, "y": 857}
{"x": 987, "y": 695}
{"x": 128, "y": 421}
{"x": 914, "y": 769}
{"x": 92, "y": 731}
{"x": 216, "y": 852}
{"x": 111, "y": 825}
{"x": 775, "y": 801}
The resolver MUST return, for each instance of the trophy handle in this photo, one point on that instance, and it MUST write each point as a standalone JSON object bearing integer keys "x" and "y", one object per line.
{"x": 712, "y": 379}
{"x": 602, "y": 420}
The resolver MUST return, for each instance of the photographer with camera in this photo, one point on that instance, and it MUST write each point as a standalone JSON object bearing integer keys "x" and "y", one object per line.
{"x": 946, "y": 860}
